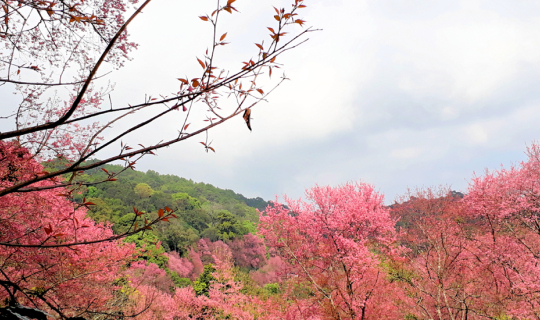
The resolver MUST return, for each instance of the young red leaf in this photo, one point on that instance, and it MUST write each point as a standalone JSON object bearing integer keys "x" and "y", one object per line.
{"x": 167, "y": 209}
{"x": 223, "y": 36}
{"x": 201, "y": 63}
{"x": 160, "y": 213}
{"x": 203, "y": 18}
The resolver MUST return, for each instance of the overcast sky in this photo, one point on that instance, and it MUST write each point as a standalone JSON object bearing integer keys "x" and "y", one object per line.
{"x": 397, "y": 93}
{"x": 400, "y": 94}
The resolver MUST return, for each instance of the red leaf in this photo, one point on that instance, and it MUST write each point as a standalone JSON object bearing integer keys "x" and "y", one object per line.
{"x": 160, "y": 213}
{"x": 167, "y": 209}
{"x": 223, "y": 36}
{"x": 260, "y": 47}
{"x": 185, "y": 127}
{"x": 105, "y": 170}
{"x": 203, "y": 18}
{"x": 260, "y": 91}
{"x": 201, "y": 63}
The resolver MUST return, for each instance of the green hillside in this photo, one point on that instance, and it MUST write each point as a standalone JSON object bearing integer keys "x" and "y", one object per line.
{"x": 204, "y": 211}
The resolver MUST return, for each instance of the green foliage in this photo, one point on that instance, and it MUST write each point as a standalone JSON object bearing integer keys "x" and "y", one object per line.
{"x": 397, "y": 272}
{"x": 228, "y": 226}
{"x": 177, "y": 236}
{"x": 249, "y": 226}
{"x": 272, "y": 288}
{"x": 184, "y": 202}
{"x": 203, "y": 210}
{"x": 211, "y": 233}
{"x": 149, "y": 248}
{"x": 143, "y": 190}
{"x": 202, "y": 285}
{"x": 123, "y": 223}
{"x": 178, "y": 281}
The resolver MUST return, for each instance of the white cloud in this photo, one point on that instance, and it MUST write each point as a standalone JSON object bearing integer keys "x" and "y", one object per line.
{"x": 398, "y": 93}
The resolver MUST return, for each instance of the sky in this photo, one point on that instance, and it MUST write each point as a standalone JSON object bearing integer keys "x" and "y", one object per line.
{"x": 396, "y": 93}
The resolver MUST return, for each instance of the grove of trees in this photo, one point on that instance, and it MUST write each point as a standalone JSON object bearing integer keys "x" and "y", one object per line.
{"x": 83, "y": 238}
{"x": 56, "y": 261}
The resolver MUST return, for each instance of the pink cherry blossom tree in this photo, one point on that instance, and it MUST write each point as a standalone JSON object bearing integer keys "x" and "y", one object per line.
{"x": 51, "y": 254}
{"x": 506, "y": 206}
{"x": 334, "y": 243}
{"x": 445, "y": 272}
{"x": 66, "y": 281}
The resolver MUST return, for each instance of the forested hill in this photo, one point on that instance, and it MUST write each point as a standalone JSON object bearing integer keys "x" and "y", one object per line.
{"x": 204, "y": 210}
{"x": 173, "y": 184}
